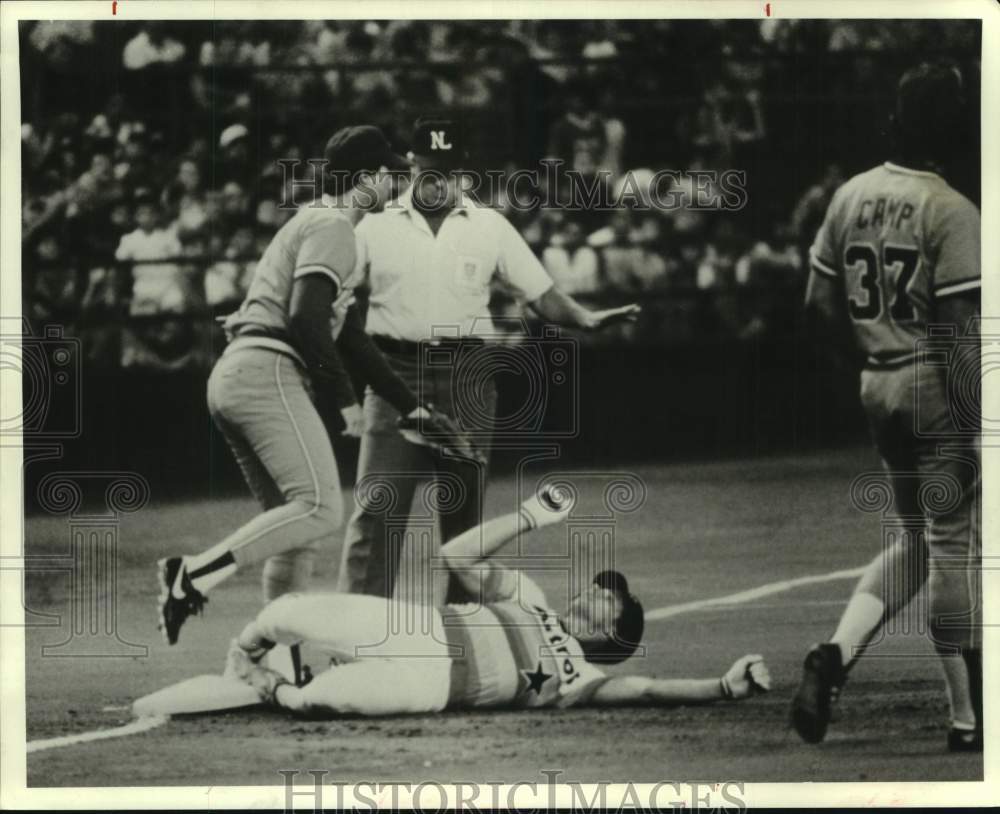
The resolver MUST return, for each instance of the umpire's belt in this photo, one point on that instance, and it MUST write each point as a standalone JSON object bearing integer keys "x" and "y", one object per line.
{"x": 403, "y": 347}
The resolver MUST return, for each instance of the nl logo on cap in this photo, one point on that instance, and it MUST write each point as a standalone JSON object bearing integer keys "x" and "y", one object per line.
{"x": 439, "y": 140}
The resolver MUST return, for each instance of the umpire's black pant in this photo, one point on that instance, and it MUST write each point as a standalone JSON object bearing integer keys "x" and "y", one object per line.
{"x": 392, "y": 471}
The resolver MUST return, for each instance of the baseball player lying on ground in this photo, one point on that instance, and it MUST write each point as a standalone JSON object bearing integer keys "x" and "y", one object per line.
{"x": 508, "y": 650}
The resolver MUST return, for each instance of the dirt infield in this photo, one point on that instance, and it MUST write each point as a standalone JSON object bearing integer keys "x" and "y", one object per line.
{"x": 706, "y": 530}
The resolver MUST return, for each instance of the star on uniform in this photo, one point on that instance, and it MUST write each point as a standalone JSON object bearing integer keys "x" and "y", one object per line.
{"x": 536, "y": 679}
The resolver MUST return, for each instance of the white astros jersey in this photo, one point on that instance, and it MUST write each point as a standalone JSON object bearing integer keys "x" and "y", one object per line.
{"x": 901, "y": 240}
{"x": 512, "y": 650}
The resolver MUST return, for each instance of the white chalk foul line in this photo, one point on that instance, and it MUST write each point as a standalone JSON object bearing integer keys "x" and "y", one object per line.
{"x": 152, "y": 721}
{"x": 751, "y": 594}
{"x": 134, "y": 728}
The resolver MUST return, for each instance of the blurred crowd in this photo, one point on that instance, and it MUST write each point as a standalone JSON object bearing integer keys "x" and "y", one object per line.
{"x": 150, "y": 189}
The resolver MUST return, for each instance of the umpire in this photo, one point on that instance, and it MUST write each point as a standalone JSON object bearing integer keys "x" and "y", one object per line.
{"x": 429, "y": 261}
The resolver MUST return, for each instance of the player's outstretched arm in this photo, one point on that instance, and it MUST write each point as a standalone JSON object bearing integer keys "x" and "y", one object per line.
{"x": 747, "y": 677}
{"x": 467, "y": 556}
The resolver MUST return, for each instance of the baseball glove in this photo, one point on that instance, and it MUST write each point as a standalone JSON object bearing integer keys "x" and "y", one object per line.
{"x": 432, "y": 428}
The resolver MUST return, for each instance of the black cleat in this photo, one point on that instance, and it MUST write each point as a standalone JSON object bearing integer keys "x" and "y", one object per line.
{"x": 822, "y": 678}
{"x": 965, "y": 740}
{"x": 178, "y": 597}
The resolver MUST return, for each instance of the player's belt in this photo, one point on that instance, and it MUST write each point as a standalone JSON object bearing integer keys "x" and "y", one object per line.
{"x": 403, "y": 347}
{"x": 260, "y": 339}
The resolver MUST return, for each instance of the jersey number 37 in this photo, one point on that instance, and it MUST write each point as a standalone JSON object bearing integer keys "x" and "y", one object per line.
{"x": 866, "y": 275}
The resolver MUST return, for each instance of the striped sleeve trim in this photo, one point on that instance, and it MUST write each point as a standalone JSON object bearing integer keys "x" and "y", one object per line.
{"x": 957, "y": 288}
{"x": 316, "y": 268}
{"x": 821, "y": 267}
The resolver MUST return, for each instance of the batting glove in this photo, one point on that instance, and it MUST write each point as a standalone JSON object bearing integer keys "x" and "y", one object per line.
{"x": 551, "y": 505}
{"x": 747, "y": 677}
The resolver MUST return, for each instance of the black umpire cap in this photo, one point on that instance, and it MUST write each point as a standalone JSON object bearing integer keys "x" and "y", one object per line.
{"x": 438, "y": 144}
{"x": 361, "y": 148}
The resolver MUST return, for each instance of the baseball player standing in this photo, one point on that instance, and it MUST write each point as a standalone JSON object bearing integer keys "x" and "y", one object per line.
{"x": 899, "y": 251}
{"x": 261, "y": 390}
{"x": 429, "y": 261}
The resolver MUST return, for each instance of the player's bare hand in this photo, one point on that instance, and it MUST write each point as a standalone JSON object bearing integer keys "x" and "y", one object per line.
{"x": 749, "y": 676}
{"x": 354, "y": 421}
{"x": 597, "y": 320}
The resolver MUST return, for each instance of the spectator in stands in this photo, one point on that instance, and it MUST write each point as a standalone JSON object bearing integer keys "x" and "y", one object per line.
{"x": 688, "y": 220}
{"x": 152, "y": 281}
{"x": 223, "y": 286}
{"x": 159, "y": 289}
{"x": 227, "y": 279}
{"x": 650, "y": 270}
{"x": 42, "y": 210}
{"x": 58, "y": 51}
{"x": 270, "y": 218}
{"x": 171, "y": 342}
{"x": 579, "y": 137}
{"x": 532, "y": 227}
{"x": 89, "y": 203}
{"x": 183, "y": 200}
{"x": 96, "y": 188}
{"x": 151, "y": 46}
{"x": 36, "y": 146}
{"x": 235, "y": 162}
{"x": 110, "y": 123}
{"x": 634, "y": 188}
{"x": 570, "y": 262}
{"x": 134, "y": 165}
{"x": 811, "y": 208}
{"x": 632, "y": 251}
{"x": 554, "y": 39}
{"x": 717, "y": 264}
{"x": 354, "y": 45}
{"x": 54, "y": 281}
{"x": 612, "y": 243}
{"x": 236, "y": 42}
{"x": 600, "y": 40}
{"x": 241, "y": 248}
{"x": 63, "y": 42}
{"x": 726, "y": 121}
{"x": 119, "y": 224}
{"x": 100, "y": 312}
{"x": 235, "y": 209}
{"x": 768, "y": 263}
{"x": 614, "y": 133}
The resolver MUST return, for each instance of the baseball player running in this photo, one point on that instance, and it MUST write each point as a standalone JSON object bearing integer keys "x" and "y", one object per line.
{"x": 509, "y": 649}
{"x": 282, "y": 351}
{"x": 899, "y": 252}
